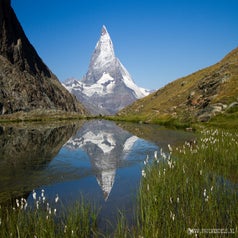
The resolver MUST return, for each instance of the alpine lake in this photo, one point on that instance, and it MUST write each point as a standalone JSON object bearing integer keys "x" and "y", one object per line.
{"x": 98, "y": 161}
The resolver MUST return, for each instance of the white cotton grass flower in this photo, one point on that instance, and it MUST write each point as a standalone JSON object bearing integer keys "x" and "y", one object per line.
{"x": 55, "y": 211}
{"x": 25, "y": 206}
{"x": 156, "y": 155}
{"x": 147, "y": 159}
{"x": 206, "y": 197}
{"x": 183, "y": 169}
{"x": 34, "y": 194}
{"x": 49, "y": 211}
{"x": 171, "y": 200}
{"x": 148, "y": 187}
{"x": 37, "y": 205}
{"x": 21, "y": 204}
{"x": 42, "y": 197}
{"x": 172, "y": 215}
{"x": 163, "y": 155}
{"x": 56, "y": 198}
{"x": 190, "y": 231}
{"x": 170, "y": 164}
{"x": 17, "y": 203}
{"x": 143, "y": 173}
{"x": 170, "y": 148}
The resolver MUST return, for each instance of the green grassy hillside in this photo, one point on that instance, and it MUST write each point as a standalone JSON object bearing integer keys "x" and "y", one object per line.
{"x": 196, "y": 97}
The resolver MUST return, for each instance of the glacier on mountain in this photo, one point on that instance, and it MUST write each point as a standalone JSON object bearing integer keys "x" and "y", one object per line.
{"x": 107, "y": 87}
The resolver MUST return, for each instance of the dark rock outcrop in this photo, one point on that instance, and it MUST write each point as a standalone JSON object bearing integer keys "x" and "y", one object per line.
{"x": 26, "y": 83}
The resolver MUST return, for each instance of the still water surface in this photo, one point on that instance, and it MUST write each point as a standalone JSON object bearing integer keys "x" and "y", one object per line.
{"x": 98, "y": 160}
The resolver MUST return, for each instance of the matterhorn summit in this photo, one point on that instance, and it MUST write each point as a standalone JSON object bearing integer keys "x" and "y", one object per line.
{"x": 107, "y": 87}
{"x": 103, "y": 56}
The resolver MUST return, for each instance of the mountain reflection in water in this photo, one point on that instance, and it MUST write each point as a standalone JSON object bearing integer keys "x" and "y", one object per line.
{"x": 96, "y": 160}
{"x": 108, "y": 147}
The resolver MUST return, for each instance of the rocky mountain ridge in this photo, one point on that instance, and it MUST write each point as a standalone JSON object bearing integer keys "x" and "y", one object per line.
{"x": 107, "y": 87}
{"x": 26, "y": 83}
{"x": 196, "y": 97}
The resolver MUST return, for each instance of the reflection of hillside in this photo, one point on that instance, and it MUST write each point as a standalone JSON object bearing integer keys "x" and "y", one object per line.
{"x": 105, "y": 144}
{"x": 160, "y": 135}
{"x": 24, "y": 151}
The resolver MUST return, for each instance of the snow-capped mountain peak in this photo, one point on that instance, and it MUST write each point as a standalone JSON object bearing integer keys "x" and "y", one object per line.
{"x": 103, "y": 55}
{"x": 107, "y": 87}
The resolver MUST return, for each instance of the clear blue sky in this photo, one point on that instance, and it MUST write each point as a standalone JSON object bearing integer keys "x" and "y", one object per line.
{"x": 157, "y": 41}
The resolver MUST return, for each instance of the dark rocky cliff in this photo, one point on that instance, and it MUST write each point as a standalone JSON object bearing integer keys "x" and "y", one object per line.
{"x": 26, "y": 83}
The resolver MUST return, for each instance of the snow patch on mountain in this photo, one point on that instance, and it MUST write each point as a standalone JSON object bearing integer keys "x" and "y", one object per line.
{"x": 104, "y": 51}
{"x": 129, "y": 143}
{"x": 103, "y": 86}
{"x": 105, "y": 141}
